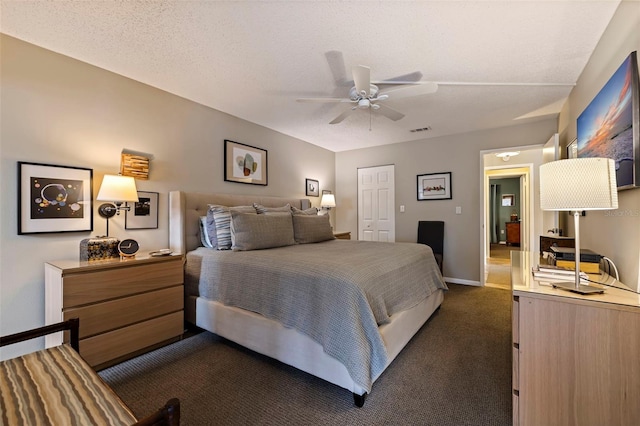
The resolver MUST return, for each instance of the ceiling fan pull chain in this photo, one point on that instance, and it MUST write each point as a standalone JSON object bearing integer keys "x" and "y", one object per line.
{"x": 369, "y": 119}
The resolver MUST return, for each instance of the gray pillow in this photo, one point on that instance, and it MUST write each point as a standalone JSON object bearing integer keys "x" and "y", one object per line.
{"x": 260, "y": 231}
{"x": 260, "y": 209}
{"x": 222, "y": 219}
{"x": 311, "y": 228}
{"x": 309, "y": 211}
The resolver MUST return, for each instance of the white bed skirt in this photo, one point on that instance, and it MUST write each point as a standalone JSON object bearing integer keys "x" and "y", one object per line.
{"x": 291, "y": 347}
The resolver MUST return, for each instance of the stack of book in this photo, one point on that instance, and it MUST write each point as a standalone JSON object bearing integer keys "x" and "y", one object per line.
{"x": 550, "y": 273}
{"x": 566, "y": 258}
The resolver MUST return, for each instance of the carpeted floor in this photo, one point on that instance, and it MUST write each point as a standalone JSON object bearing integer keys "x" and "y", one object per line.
{"x": 455, "y": 371}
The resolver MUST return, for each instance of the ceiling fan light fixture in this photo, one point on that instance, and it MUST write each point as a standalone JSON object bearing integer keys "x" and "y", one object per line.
{"x": 364, "y": 103}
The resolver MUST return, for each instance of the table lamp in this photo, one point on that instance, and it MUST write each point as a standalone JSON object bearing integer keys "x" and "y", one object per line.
{"x": 575, "y": 185}
{"x": 327, "y": 202}
{"x": 117, "y": 189}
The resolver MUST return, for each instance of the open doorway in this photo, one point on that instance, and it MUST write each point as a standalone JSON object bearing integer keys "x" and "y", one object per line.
{"x": 505, "y": 222}
{"x": 522, "y": 164}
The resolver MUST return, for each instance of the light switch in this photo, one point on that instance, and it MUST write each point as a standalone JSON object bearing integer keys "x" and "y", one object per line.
{"x": 458, "y": 210}
{"x": 402, "y": 209}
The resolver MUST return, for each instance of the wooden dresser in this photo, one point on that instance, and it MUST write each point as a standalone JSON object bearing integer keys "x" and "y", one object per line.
{"x": 342, "y": 235}
{"x": 125, "y": 307}
{"x": 575, "y": 357}
{"x": 513, "y": 233}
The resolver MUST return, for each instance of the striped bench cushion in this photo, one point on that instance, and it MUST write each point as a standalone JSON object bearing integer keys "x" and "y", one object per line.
{"x": 56, "y": 386}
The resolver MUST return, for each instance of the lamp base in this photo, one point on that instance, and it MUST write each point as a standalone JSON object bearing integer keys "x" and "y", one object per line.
{"x": 107, "y": 210}
{"x": 581, "y": 289}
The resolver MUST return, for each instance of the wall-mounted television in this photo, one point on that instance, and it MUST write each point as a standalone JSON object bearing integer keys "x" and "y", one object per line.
{"x": 610, "y": 125}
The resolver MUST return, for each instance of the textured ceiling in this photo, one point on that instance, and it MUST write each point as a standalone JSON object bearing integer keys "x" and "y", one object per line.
{"x": 254, "y": 59}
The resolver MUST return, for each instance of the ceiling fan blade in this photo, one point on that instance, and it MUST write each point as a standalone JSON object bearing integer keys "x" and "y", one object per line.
{"x": 336, "y": 65}
{"x": 411, "y": 90}
{"x": 341, "y": 117}
{"x": 362, "y": 79}
{"x": 390, "y": 113}
{"x": 401, "y": 79}
{"x": 337, "y": 100}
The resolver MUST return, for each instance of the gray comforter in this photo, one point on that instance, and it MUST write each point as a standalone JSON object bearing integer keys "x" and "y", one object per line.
{"x": 336, "y": 292}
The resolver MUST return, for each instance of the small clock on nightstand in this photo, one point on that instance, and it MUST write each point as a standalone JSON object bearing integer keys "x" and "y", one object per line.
{"x": 128, "y": 248}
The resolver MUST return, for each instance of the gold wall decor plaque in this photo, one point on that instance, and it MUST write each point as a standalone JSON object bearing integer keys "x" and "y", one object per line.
{"x": 136, "y": 166}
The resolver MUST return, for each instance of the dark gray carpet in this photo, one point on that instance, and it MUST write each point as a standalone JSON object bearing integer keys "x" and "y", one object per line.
{"x": 455, "y": 371}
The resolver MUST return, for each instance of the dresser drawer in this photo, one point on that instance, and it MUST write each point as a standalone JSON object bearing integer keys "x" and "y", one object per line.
{"x": 101, "y": 317}
{"x": 105, "y": 347}
{"x": 89, "y": 287}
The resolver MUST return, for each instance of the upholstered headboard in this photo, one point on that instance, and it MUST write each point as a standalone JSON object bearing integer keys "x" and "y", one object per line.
{"x": 185, "y": 209}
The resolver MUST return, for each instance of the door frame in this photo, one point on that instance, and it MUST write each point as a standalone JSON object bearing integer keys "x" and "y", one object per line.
{"x": 527, "y": 216}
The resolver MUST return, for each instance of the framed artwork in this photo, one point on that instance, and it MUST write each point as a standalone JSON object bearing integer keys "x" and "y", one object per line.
{"x": 54, "y": 198}
{"x": 326, "y": 191}
{"x": 144, "y": 213}
{"x": 312, "y": 188}
{"x": 245, "y": 163}
{"x": 508, "y": 200}
{"x": 434, "y": 186}
{"x": 609, "y": 126}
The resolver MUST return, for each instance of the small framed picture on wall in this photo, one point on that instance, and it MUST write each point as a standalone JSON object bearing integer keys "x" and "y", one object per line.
{"x": 312, "y": 188}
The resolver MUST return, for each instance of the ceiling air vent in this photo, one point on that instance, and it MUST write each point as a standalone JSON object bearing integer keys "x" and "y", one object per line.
{"x": 422, "y": 129}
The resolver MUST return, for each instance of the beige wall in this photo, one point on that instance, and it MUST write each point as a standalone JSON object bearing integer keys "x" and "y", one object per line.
{"x": 614, "y": 234}
{"x": 57, "y": 110}
{"x": 459, "y": 154}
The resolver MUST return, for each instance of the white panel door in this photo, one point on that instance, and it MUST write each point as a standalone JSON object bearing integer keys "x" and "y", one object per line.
{"x": 376, "y": 204}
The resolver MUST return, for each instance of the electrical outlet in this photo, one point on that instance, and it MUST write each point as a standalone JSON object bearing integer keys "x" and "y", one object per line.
{"x": 402, "y": 209}
{"x": 458, "y": 210}
{"x": 502, "y": 231}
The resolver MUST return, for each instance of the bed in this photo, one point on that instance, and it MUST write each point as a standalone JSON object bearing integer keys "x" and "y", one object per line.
{"x": 326, "y": 308}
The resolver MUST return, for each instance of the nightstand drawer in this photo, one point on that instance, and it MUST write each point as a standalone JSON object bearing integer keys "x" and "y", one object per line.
{"x": 89, "y": 287}
{"x": 108, "y": 346}
{"x": 101, "y": 317}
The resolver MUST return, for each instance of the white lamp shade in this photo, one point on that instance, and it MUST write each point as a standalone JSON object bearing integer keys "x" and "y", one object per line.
{"x": 578, "y": 184}
{"x": 328, "y": 200}
{"x": 117, "y": 188}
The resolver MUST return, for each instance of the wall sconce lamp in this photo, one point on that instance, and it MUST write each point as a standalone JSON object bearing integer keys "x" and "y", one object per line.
{"x": 506, "y": 156}
{"x": 574, "y": 185}
{"x": 327, "y": 202}
{"x": 116, "y": 189}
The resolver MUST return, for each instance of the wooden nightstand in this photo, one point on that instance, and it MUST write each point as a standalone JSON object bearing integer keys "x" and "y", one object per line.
{"x": 342, "y": 235}
{"x": 513, "y": 233}
{"x": 126, "y": 307}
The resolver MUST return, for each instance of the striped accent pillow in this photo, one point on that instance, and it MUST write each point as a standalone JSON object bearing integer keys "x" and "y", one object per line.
{"x": 222, "y": 219}
{"x": 204, "y": 237}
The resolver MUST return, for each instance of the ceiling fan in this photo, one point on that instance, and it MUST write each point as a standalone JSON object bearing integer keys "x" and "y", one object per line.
{"x": 367, "y": 96}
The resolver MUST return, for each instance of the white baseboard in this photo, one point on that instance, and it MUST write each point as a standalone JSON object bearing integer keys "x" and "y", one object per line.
{"x": 461, "y": 281}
